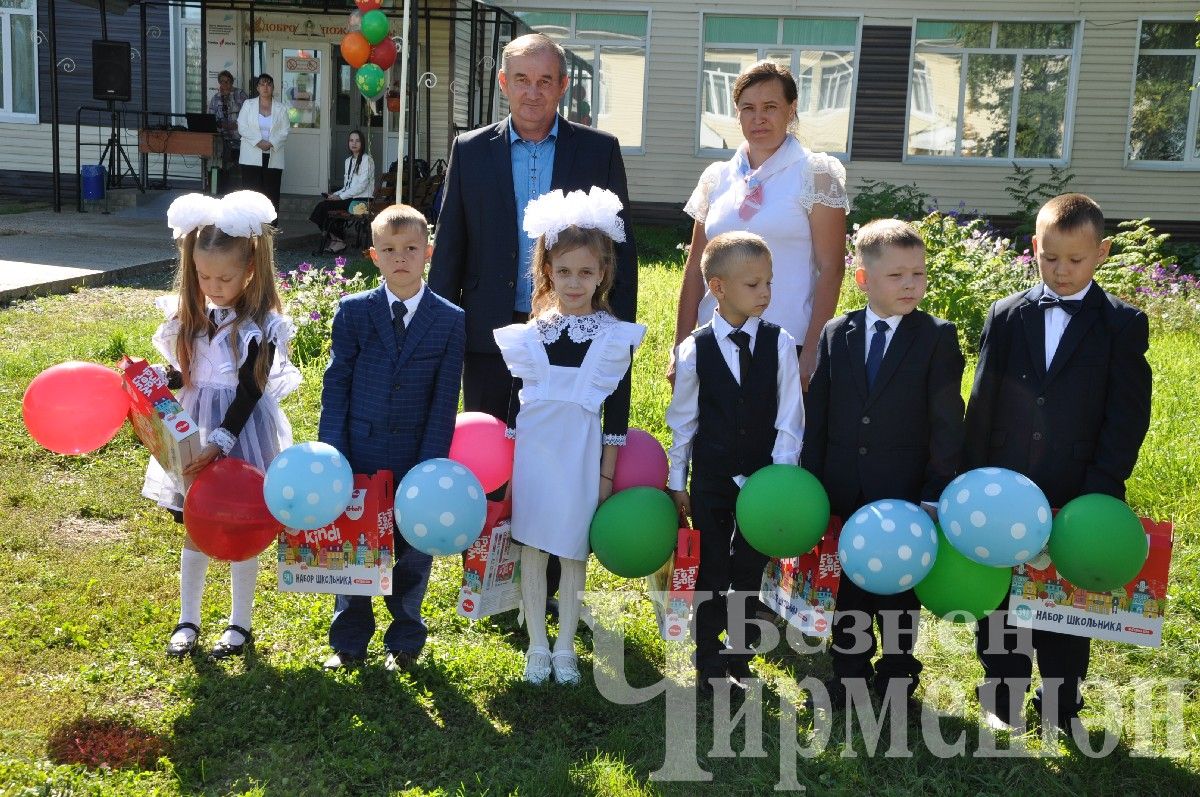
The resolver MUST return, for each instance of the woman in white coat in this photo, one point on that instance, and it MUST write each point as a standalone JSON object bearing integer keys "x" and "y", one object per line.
{"x": 263, "y": 126}
{"x": 358, "y": 182}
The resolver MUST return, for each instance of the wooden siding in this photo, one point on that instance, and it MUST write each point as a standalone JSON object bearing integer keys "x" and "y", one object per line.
{"x": 666, "y": 173}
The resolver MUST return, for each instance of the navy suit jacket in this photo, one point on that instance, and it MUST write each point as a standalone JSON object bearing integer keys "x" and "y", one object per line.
{"x": 1076, "y": 427}
{"x": 902, "y": 438}
{"x": 384, "y": 407}
{"x": 476, "y": 253}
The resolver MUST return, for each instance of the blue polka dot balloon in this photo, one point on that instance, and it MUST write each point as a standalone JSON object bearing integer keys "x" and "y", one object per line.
{"x": 440, "y": 507}
{"x": 308, "y": 485}
{"x": 995, "y": 516}
{"x": 888, "y": 546}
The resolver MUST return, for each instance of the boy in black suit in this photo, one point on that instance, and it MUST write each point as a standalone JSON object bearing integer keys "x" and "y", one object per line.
{"x": 736, "y": 408}
{"x": 1062, "y": 395}
{"x": 885, "y": 420}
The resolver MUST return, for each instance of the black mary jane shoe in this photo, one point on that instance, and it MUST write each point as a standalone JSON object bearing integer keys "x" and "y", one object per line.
{"x": 221, "y": 650}
{"x": 177, "y": 650}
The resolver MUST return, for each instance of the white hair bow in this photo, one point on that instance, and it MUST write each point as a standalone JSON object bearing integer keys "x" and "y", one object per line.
{"x": 240, "y": 214}
{"x": 554, "y": 212}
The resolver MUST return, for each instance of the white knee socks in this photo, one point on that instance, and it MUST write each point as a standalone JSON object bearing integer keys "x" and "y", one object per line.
{"x": 244, "y": 576}
{"x": 533, "y": 595}
{"x": 570, "y": 586}
{"x": 192, "y": 567}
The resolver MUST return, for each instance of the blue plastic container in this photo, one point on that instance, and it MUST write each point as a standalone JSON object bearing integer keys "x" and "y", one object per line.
{"x": 92, "y": 179}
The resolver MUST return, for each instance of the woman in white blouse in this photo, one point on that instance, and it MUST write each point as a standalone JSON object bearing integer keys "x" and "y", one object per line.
{"x": 263, "y": 126}
{"x": 795, "y": 199}
{"x": 358, "y": 183}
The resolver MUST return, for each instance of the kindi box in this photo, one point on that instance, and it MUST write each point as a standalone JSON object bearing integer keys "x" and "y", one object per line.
{"x": 159, "y": 420}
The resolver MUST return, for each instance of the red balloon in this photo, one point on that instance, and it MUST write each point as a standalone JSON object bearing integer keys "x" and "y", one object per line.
{"x": 480, "y": 445}
{"x": 225, "y": 513}
{"x": 383, "y": 55}
{"x": 368, "y": 5}
{"x": 74, "y": 407}
{"x": 355, "y": 49}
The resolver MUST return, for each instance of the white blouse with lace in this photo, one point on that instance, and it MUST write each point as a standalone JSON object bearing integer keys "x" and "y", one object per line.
{"x": 794, "y": 181}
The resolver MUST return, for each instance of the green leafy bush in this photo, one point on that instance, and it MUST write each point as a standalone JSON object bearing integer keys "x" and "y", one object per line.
{"x": 877, "y": 199}
{"x": 310, "y": 296}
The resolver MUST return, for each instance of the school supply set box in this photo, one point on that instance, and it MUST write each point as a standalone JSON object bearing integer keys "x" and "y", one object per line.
{"x": 491, "y": 567}
{"x": 673, "y": 587}
{"x": 353, "y": 555}
{"x": 1040, "y": 598}
{"x": 803, "y": 589}
{"x": 158, "y": 419}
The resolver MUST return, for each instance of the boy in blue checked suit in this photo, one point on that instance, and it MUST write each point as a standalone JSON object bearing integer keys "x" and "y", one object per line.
{"x": 389, "y": 400}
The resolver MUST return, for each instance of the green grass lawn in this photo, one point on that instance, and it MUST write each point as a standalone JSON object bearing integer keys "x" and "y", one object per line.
{"x": 89, "y": 592}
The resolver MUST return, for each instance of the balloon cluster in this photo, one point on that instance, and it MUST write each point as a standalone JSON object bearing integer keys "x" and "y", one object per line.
{"x": 368, "y": 48}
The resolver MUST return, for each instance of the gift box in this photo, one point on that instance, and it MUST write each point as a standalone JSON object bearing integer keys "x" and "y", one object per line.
{"x": 1040, "y": 598}
{"x": 803, "y": 589}
{"x": 158, "y": 419}
{"x": 672, "y": 588}
{"x": 491, "y": 568}
{"x": 354, "y": 554}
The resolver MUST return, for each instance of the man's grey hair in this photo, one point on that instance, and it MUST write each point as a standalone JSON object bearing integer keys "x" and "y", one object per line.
{"x": 534, "y": 44}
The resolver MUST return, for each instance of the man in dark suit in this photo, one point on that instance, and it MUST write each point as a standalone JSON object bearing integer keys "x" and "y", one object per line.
{"x": 884, "y": 420}
{"x": 482, "y": 256}
{"x": 1061, "y": 395}
{"x": 389, "y": 400}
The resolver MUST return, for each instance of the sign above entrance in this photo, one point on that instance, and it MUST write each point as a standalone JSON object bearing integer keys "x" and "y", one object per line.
{"x": 301, "y": 64}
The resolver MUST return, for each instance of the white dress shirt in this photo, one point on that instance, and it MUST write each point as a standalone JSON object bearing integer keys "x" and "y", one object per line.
{"x": 410, "y": 304}
{"x": 1056, "y": 320}
{"x": 683, "y": 414}
{"x": 891, "y": 321}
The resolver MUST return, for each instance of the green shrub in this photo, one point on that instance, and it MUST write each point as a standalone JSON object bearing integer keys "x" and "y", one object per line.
{"x": 1030, "y": 196}
{"x": 877, "y": 199}
{"x": 310, "y": 297}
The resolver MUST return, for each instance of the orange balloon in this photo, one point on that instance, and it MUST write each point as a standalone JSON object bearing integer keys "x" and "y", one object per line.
{"x": 355, "y": 49}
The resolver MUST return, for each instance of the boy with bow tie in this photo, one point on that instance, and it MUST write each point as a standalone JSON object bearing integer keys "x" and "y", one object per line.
{"x": 1061, "y": 395}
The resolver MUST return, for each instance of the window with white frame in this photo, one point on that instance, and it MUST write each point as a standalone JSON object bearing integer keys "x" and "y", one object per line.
{"x": 1163, "y": 123}
{"x": 607, "y": 68}
{"x": 998, "y": 91}
{"x": 18, "y": 38}
{"x": 820, "y": 52}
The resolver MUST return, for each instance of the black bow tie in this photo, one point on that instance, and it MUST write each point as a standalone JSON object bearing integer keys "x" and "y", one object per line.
{"x": 1069, "y": 306}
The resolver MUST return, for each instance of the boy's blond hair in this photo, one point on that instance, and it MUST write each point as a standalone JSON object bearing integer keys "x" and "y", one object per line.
{"x": 730, "y": 249}
{"x": 1069, "y": 212}
{"x": 875, "y": 236}
{"x": 396, "y": 217}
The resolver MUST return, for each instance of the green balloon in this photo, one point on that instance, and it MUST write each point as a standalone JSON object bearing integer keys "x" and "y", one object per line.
{"x": 782, "y": 511}
{"x": 634, "y": 532}
{"x": 959, "y": 588}
{"x": 1097, "y": 543}
{"x": 370, "y": 80}
{"x": 374, "y": 26}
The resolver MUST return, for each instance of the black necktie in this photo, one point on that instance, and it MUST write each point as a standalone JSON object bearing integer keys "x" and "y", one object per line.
{"x": 1069, "y": 306}
{"x": 875, "y": 352}
{"x": 741, "y": 339}
{"x": 398, "y": 311}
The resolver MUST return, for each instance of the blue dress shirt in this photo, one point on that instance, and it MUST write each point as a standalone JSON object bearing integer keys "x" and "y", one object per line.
{"x": 532, "y": 170}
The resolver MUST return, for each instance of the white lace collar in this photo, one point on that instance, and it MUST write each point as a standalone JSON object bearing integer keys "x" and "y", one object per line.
{"x": 579, "y": 328}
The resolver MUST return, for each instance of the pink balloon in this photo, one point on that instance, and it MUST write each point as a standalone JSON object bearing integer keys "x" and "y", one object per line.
{"x": 479, "y": 444}
{"x": 641, "y": 462}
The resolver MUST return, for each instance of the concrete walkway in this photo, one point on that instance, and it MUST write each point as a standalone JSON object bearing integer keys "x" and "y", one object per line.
{"x": 44, "y": 252}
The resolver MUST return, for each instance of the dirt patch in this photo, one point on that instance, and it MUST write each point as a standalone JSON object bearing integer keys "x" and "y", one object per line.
{"x": 77, "y": 532}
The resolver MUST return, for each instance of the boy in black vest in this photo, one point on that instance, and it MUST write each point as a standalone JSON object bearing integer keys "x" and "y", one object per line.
{"x": 736, "y": 408}
{"x": 885, "y": 420}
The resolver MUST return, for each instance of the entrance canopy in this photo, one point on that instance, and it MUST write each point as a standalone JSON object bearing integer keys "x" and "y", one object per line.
{"x": 444, "y": 76}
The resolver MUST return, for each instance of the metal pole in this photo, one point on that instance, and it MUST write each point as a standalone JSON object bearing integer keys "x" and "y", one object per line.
{"x": 203, "y": 57}
{"x": 143, "y": 157}
{"x": 56, "y": 155}
{"x": 471, "y": 70}
{"x": 402, "y": 119}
